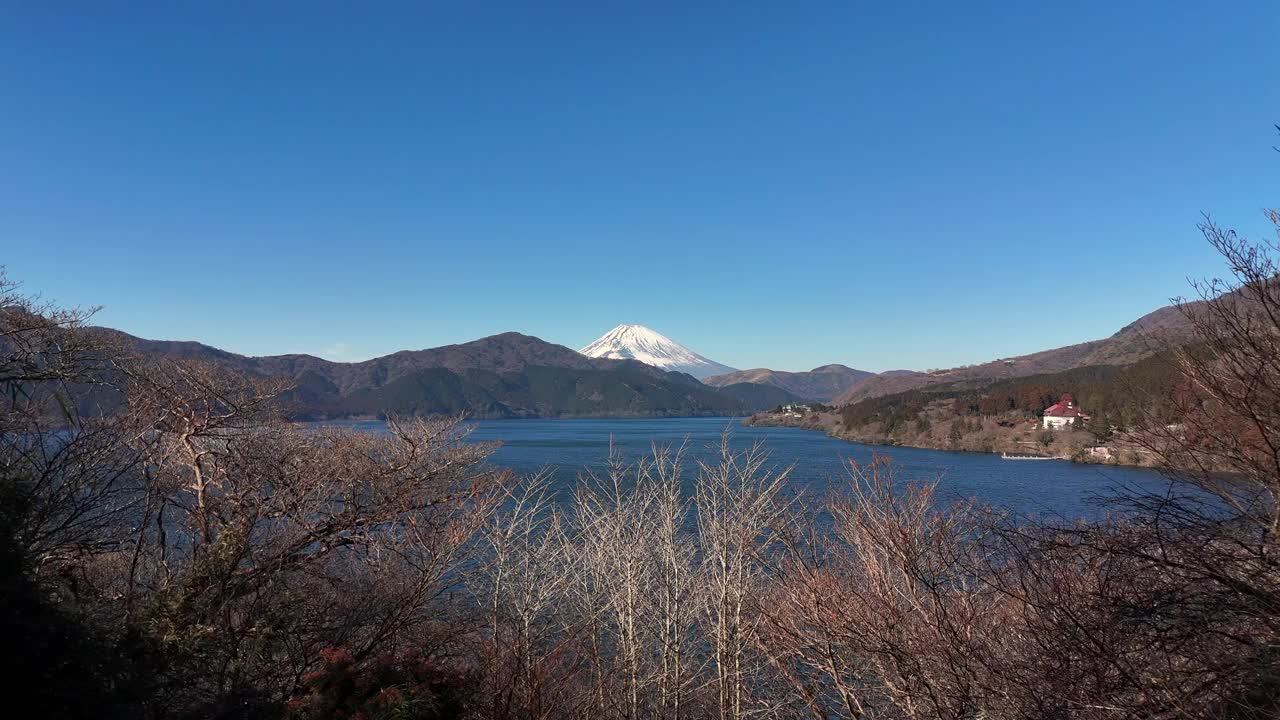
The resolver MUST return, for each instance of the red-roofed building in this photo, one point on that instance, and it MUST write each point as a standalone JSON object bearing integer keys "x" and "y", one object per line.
{"x": 1063, "y": 413}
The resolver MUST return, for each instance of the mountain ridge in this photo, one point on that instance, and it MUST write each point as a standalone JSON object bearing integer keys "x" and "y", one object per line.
{"x": 515, "y": 375}
{"x": 505, "y": 375}
{"x": 1142, "y": 338}
{"x": 822, "y": 384}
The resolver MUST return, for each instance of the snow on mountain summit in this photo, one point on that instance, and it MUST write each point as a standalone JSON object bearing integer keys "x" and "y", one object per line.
{"x": 637, "y": 342}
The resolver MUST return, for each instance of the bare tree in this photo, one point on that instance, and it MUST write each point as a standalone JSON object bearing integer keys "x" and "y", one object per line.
{"x": 522, "y": 583}
{"x": 673, "y": 592}
{"x": 612, "y": 520}
{"x": 1201, "y": 559}
{"x": 272, "y": 542}
{"x": 66, "y": 486}
{"x": 875, "y": 611}
{"x": 739, "y": 501}
{"x": 1228, "y": 406}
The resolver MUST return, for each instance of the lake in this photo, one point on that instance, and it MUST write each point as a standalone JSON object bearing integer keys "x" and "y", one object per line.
{"x": 1054, "y": 487}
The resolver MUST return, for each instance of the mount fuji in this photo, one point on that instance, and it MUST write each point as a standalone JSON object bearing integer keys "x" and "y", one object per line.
{"x": 637, "y": 342}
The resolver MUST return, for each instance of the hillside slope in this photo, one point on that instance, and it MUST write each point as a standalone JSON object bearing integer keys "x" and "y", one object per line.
{"x": 821, "y": 384}
{"x": 1140, "y": 339}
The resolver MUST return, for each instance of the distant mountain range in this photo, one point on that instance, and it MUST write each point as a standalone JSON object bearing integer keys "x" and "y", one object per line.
{"x": 630, "y": 371}
{"x": 821, "y": 384}
{"x": 637, "y": 342}
{"x": 507, "y": 375}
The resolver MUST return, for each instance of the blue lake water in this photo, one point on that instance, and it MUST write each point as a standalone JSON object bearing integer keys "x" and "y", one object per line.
{"x": 1054, "y": 487}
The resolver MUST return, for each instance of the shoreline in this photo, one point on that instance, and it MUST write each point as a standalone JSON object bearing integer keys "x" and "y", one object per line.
{"x": 825, "y": 423}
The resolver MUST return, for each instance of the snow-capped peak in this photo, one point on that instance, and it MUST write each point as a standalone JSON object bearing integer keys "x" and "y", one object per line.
{"x": 637, "y": 342}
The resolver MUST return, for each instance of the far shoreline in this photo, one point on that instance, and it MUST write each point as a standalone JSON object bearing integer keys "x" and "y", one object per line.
{"x": 824, "y": 423}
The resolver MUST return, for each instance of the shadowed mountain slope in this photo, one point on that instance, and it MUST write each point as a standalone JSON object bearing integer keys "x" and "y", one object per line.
{"x": 506, "y": 375}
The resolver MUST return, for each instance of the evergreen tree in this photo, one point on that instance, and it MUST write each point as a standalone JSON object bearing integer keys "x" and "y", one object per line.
{"x": 1100, "y": 427}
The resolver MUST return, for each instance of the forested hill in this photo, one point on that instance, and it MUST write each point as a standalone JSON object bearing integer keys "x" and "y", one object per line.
{"x": 1151, "y": 334}
{"x": 1117, "y": 395}
{"x": 506, "y": 375}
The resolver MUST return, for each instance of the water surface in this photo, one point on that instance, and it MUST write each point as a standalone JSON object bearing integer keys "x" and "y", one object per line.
{"x": 565, "y": 447}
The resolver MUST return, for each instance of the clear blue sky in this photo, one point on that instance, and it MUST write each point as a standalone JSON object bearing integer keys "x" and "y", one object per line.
{"x": 772, "y": 184}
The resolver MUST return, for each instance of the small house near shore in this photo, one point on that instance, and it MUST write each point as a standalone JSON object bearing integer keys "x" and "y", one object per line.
{"x": 1063, "y": 413}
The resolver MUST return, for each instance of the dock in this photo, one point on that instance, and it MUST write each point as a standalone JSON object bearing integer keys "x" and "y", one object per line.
{"x": 1007, "y": 456}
